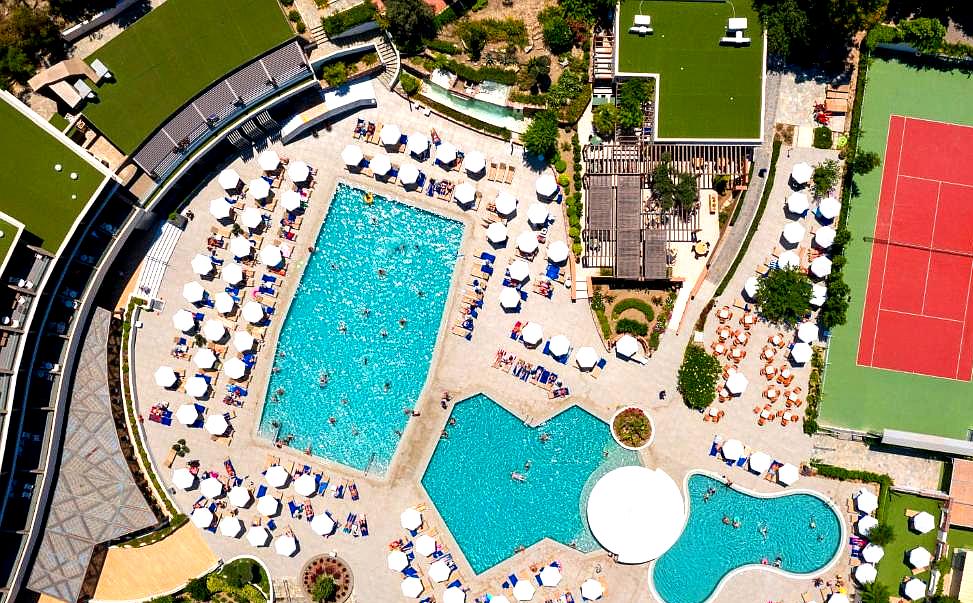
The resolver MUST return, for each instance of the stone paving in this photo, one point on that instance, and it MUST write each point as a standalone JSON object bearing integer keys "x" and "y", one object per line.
{"x": 912, "y": 472}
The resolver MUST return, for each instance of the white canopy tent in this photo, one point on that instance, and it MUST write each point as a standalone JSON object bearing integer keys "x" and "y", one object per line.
{"x": 214, "y": 330}
{"x": 807, "y": 332}
{"x": 322, "y": 524}
{"x": 258, "y": 536}
{"x": 829, "y": 208}
{"x": 760, "y": 462}
{"x": 380, "y": 164}
{"x": 251, "y": 217}
{"x": 789, "y": 259}
{"x": 865, "y": 573}
{"x": 509, "y": 298}
{"x": 914, "y": 589}
{"x": 223, "y": 302}
{"x": 865, "y": 501}
{"x": 240, "y": 247}
{"x": 183, "y": 479}
{"x": 202, "y": 517}
{"x": 217, "y": 424}
{"x": 204, "y": 358}
{"x": 586, "y": 357}
{"x": 793, "y": 232}
{"x": 390, "y": 135}
{"x": 231, "y": 527}
{"x": 271, "y": 256}
{"x": 197, "y": 387}
{"x": 211, "y": 487}
{"x": 445, "y": 153}
{"x": 253, "y": 312}
{"x": 732, "y": 449}
{"x": 557, "y": 251}
{"x": 417, "y": 144}
{"x": 193, "y": 292}
{"x": 234, "y": 368}
{"x": 538, "y": 214}
{"x": 276, "y": 476}
{"x": 872, "y": 553}
{"x": 408, "y": 174}
{"x": 242, "y": 341}
{"x": 239, "y": 496}
{"x": 923, "y": 522}
{"x": 592, "y": 590}
{"x": 824, "y": 237}
{"x": 821, "y": 266}
{"x": 464, "y": 193}
{"x": 291, "y": 200}
{"x": 560, "y": 346}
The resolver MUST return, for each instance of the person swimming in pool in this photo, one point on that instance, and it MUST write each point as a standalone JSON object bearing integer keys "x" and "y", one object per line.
{"x": 323, "y": 379}
{"x": 402, "y": 322}
{"x": 812, "y": 525}
{"x": 388, "y": 386}
{"x": 366, "y": 312}
{"x": 726, "y": 520}
{"x": 342, "y": 327}
{"x": 383, "y": 333}
{"x": 382, "y": 272}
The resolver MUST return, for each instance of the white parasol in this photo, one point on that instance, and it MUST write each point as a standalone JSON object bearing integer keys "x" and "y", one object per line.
{"x": 259, "y": 189}
{"x": 532, "y": 333}
{"x": 269, "y": 160}
{"x": 298, "y": 171}
{"x": 505, "y": 203}
{"x": 232, "y": 274}
{"x": 527, "y": 242}
{"x": 220, "y": 208}
{"x": 229, "y": 179}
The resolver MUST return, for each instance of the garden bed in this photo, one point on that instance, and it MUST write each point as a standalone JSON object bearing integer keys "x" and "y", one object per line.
{"x": 643, "y": 313}
{"x": 633, "y": 428}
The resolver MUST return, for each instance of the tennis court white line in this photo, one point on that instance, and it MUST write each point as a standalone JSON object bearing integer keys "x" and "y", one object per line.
{"x": 930, "y": 316}
{"x": 941, "y": 182}
{"x": 935, "y": 216}
{"x": 962, "y": 335}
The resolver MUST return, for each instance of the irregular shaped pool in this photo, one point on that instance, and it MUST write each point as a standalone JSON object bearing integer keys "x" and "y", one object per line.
{"x": 800, "y": 532}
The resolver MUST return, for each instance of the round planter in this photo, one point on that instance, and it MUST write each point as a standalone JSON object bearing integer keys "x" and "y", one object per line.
{"x": 618, "y": 440}
{"x": 337, "y": 568}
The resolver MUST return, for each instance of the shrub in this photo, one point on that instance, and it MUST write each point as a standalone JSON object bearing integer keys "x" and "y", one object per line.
{"x": 563, "y": 180}
{"x": 558, "y": 35}
{"x": 784, "y": 296}
{"x": 345, "y": 20}
{"x": 874, "y": 592}
{"x": 654, "y": 340}
{"x": 475, "y": 39}
{"x": 635, "y": 327}
{"x": 632, "y": 303}
{"x": 631, "y": 95}
{"x": 825, "y": 177}
{"x": 241, "y": 572}
{"x": 442, "y": 46}
{"x": 409, "y": 22}
{"x": 560, "y": 166}
{"x": 540, "y": 138}
{"x": 472, "y": 74}
{"x": 865, "y": 161}
{"x": 410, "y": 84}
{"x": 293, "y": 15}
{"x": 537, "y": 73}
{"x": 301, "y": 28}
{"x": 698, "y": 377}
{"x": 841, "y": 474}
{"x": 923, "y": 34}
{"x": 198, "y": 590}
{"x": 604, "y": 119}
{"x": 335, "y": 73}
{"x": 632, "y": 427}
{"x": 324, "y": 589}
{"x": 822, "y": 137}
{"x": 287, "y": 2}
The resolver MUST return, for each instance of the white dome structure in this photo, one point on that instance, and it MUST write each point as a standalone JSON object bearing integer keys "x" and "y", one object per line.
{"x": 636, "y": 513}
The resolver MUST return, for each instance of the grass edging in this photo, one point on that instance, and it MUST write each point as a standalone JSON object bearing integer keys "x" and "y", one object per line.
{"x": 848, "y": 475}
{"x": 454, "y": 115}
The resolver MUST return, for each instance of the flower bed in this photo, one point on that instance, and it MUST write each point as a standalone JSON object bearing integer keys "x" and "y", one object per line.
{"x": 633, "y": 428}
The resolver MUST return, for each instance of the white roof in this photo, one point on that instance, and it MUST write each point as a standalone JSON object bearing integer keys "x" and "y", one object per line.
{"x": 183, "y": 320}
{"x": 788, "y": 474}
{"x": 259, "y": 189}
{"x": 737, "y": 383}
{"x": 290, "y": 200}
{"x": 234, "y": 368}
{"x": 586, "y": 357}
{"x": 759, "y": 462}
{"x": 322, "y": 524}
{"x": 298, "y": 171}
{"x": 505, "y": 202}
{"x": 560, "y": 346}
{"x": 211, "y": 487}
{"x": 527, "y": 241}
{"x": 474, "y": 162}
{"x": 229, "y": 179}
{"x": 187, "y": 414}
{"x": 165, "y": 376}
{"x": 914, "y": 589}
{"x": 532, "y": 333}
{"x": 793, "y": 232}
{"x": 636, "y": 513}
{"x": 807, "y": 332}
{"x": 546, "y": 185}
{"x": 269, "y": 160}
{"x": 865, "y": 573}
{"x": 219, "y": 208}
{"x": 732, "y": 449}
{"x": 352, "y": 155}
{"x": 865, "y": 501}
{"x": 538, "y": 214}
{"x": 202, "y": 517}
{"x": 802, "y": 172}
{"x": 276, "y": 476}
{"x": 627, "y": 346}
{"x": 923, "y": 522}
{"x": 519, "y": 270}
{"x": 239, "y": 496}
{"x": 410, "y": 519}
{"x": 380, "y": 164}
{"x": 306, "y": 484}
{"x": 801, "y": 352}
{"x": 231, "y": 526}
{"x": 217, "y": 424}
{"x": 390, "y": 134}
{"x": 797, "y": 203}
{"x": 496, "y": 232}
{"x": 509, "y": 298}
{"x": 557, "y": 251}
{"x": 258, "y": 536}
{"x": 183, "y": 478}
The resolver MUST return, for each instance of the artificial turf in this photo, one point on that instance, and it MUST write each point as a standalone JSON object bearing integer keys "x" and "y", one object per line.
{"x": 867, "y": 398}
{"x": 706, "y": 91}
{"x": 894, "y": 567}
{"x": 172, "y": 54}
{"x": 31, "y": 191}
{"x": 9, "y": 231}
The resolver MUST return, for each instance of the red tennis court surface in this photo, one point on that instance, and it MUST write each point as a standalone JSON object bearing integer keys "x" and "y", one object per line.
{"x": 919, "y": 303}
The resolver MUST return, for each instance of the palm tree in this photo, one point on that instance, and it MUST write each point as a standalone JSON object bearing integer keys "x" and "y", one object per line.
{"x": 882, "y": 534}
{"x": 874, "y": 592}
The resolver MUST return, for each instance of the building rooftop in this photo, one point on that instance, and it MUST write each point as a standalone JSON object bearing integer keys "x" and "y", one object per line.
{"x": 707, "y": 90}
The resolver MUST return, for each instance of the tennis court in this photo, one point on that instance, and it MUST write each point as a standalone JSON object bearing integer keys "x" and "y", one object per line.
{"x": 916, "y": 317}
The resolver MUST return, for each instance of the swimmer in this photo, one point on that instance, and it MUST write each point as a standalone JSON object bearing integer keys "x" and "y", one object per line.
{"x": 407, "y": 411}
{"x": 342, "y": 327}
{"x": 282, "y": 354}
{"x": 275, "y": 370}
{"x": 736, "y": 524}
{"x": 365, "y": 360}
{"x": 706, "y": 496}
{"x": 398, "y": 432}
{"x": 334, "y": 266}
{"x": 365, "y": 312}
{"x": 443, "y": 435}
{"x": 443, "y": 403}
{"x": 402, "y": 322}
{"x": 383, "y": 333}
{"x": 812, "y": 524}
{"x": 452, "y": 422}
{"x": 726, "y": 520}
{"x": 382, "y": 272}
{"x": 711, "y": 491}
{"x": 344, "y": 401}
{"x": 323, "y": 379}
{"x": 545, "y": 437}
{"x": 421, "y": 293}
{"x": 354, "y": 431}
{"x": 527, "y": 465}
{"x": 388, "y": 386}
{"x": 763, "y": 531}
{"x": 279, "y": 391}
{"x": 820, "y": 537}
{"x": 332, "y": 420}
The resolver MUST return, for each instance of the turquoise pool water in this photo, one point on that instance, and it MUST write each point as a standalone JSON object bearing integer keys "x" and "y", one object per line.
{"x": 708, "y": 549}
{"x": 336, "y": 323}
{"x": 501, "y": 116}
{"x": 489, "y": 513}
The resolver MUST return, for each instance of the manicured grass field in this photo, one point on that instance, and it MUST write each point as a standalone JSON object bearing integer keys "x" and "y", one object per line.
{"x": 705, "y": 90}
{"x": 170, "y": 55}
{"x": 9, "y": 232}
{"x": 30, "y": 190}
{"x": 868, "y": 398}
{"x": 893, "y": 567}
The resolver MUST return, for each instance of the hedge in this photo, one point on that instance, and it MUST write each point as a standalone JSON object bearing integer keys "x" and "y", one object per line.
{"x": 698, "y": 376}
{"x": 345, "y": 20}
{"x": 632, "y": 303}
{"x": 453, "y": 12}
{"x": 635, "y": 327}
{"x": 442, "y": 46}
{"x": 846, "y": 475}
{"x": 472, "y": 74}
{"x": 464, "y": 118}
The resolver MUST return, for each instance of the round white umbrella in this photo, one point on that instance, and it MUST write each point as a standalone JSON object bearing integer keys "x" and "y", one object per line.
{"x": 259, "y": 189}
{"x": 183, "y": 320}
{"x": 291, "y": 200}
{"x": 627, "y": 346}
{"x": 788, "y": 474}
{"x": 865, "y": 524}
{"x": 224, "y": 303}
{"x": 211, "y": 488}
{"x": 425, "y": 545}
{"x": 239, "y": 496}
{"x": 509, "y": 298}
{"x": 527, "y": 242}
{"x": 380, "y": 164}
{"x": 592, "y": 589}
{"x": 251, "y": 217}
{"x": 298, "y": 171}
{"x": 524, "y": 590}
{"x": 183, "y": 479}
{"x": 417, "y": 144}
{"x": 824, "y": 237}
{"x": 193, "y": 292}
{"x": 865, "y": 501}
{"x": 258, "y": 536}
{"x": 231, "y": 526}
{"x": 216, "y": 424}
{"x": 519, "y": 270}
{"x": 802, "y": 172}
{"x": 235, "y": 368}
{"x": 439, "y": 571}
{"x": 919, "y": 557}
{"x": 789, "y": 259}
{"x": 445, "y": 153}
{"x": 397, "y": 561}
{"x": 586, "y": 357}
{"x": 737, "y": 383}
{"x": 750, "y": 287}
{"x": 305, "y": 485}
{"x": 807, "y": 332}
{"x": 550, "y": 576}
{"x": 557, "y": 251}
{"x": 829, "y": 208}
{"x": 732, "y": 449}
{"x": 819, "y": 293}
{"x": 253, "y": 312}
{"x": 505, "y": 203}
{"x": 269, "y": 160}
{"x": 793, "y": 232}
{"x": 187, "y": 414}
{"x": 390, "y": 134}
{"x": 914, "y": 589}
{"x": 243, "y": 341}
{"x": 285, "y": 545}
{"x": 873, "y": 553}
{"x": 454, "y": 594}
{"x": 538, "y": 214}
{"x": 197, "y": 387}
{"x": 229, "y": 179}
{"x": 276, "y": 476}
{"x": 202, "y": 517}
{"x": 821, "y": 266}
{"x": 410, "y": 519}
{"x": 838, "y": 598}
{"x": 165, "y": 376}
{"x": 865, "y": 573}
{"x": 411, "y": 587}
{"x": 923, "y": 522}
{"x": 464, "y": 193}
{"x": 268, "y": 506}
{"x": 797, "y": 203}
{"x": 497, "y": 232}
{"x": 204, "y": 358}
{"x": 759, "y": 462}
{"x": 560, "y": 346}
{"x": 546, "y": 185}
{"x": 220, "y": 208}
{"x": 474, "y": 162}
{"x": 214, "y": 330}
{"x": 532, "y": 333}
{"x": 271, "y": 256}
{"x": 240, "y": 247}
{"x": 352, "y": 155}
{"x": 801, "y": 352}
{"x": 408, "y": 174}
{"x": 322, "y": 524}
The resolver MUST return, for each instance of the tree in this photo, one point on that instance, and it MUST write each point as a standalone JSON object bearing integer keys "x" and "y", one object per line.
{"x": 823, "y": 139}
{"x": 410, "y": 85}
{"x": 942, "y": 599}
{"x": 604, "y": 119}
{"x": 540, "y": 138}
{"x": 324, "y": 588}
{"x": 825, "y": 177}
{"x": 834, "y": 310}
{"x": 784, "y": 296}
{"x": 631, "y": 95}
{"x": 537, "y": 73}
{"x": 558, "y": 35}
{"x": 698, "y": 376}
{"x": 198, "y": 590}
{"x": 882, "y": 534}
{"x": 27, "y": 35}
{"x": 475, "y": 39}
{"x": 241, "y": 572}
{"x": 874, "y": 592}
{"x": 335, "y": 73}
{"x": 923, "y": 34}
{"x": 805, "y": 31}
{"x": 684, "y": 194}
{"x": 786, "y": 24}
{"x": 409, "y": 22}
{"x": 865, "y": 161}
{"x": 586, "y": 10}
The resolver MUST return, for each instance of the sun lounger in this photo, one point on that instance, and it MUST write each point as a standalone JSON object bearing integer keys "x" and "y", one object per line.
{"x": 596, "y": 371}
{"x": 492, "y": 171}
{"x": 509, "y": 178}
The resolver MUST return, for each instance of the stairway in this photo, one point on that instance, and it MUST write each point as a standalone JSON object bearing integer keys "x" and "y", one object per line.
{"x": 389, "y": 55}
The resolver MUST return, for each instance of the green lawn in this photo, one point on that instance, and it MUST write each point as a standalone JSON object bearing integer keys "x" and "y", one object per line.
{"x": 9, "y": 231}
{"x": 30, "y": 190}
{"x": 893, "y": 567}
{"x": 868, "y": 398}
{"x": 170, "y": 55}
{"x": 706, "y": 90}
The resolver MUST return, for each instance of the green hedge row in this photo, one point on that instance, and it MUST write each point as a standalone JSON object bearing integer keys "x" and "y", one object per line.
{"x": 854, "y": 475}
{"x": 346, "y": 19}
{"x": 466, "y": 119}
{"x": 632, "y": 303}
{"x": 635, "y": 327}
{"x": 472, "y": 74}
{"x": 442, "y": 46}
